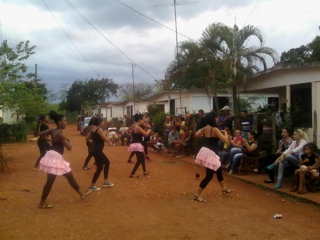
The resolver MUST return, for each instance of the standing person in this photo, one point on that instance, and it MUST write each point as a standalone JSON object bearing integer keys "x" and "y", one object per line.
{"x": 98, "y": 138}
{"x": 53, "y": 163}
{"x": 43, "y": 141}
{"x": 246, "y": 123}
{"x": 87, "y": 130}
{"x": 201, "y": 123}
{"x": 225, "y": 119}
{"x": 136, "y": 144}
{"x": 291, "y": 156}
{"x": 146, "y": 139}
{"x": 208, "y": 154}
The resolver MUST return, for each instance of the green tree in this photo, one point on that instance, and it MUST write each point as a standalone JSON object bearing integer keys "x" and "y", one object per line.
{"x": 315, "y": 48}
{"x": 196, "y": 68}
{"x": 88, "y": 93}
{"x": 17, "y": 91}
{"x": 231, "y": 45}
{"x": 296, "y": 56}
{"x": 141, "y": 91}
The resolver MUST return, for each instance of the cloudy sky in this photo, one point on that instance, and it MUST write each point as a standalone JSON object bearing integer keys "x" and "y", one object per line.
{"x": 82, "y": 39}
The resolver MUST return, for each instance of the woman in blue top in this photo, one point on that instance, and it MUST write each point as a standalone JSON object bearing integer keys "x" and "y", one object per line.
{"x": 98, "y": 138}
{"x": 53, "y": 163}
{"x": 136, "y": 144}
{"x": 208, "y": 154}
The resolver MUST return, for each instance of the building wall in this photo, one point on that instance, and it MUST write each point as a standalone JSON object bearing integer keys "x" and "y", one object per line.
{"x": 8, "y": 116}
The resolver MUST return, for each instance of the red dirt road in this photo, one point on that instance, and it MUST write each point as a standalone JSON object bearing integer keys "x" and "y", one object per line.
{"x": 155, "y": 207}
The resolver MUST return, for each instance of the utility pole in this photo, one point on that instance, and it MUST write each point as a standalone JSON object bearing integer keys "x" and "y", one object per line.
{"x": 133, "y": 92}
{"x": 174, "y": 4}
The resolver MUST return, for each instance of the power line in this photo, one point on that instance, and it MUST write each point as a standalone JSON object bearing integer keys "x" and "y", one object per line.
{"x": 125, "y": 55}
{"x": 71, "y": 39}
{"x": 152, "y": 19}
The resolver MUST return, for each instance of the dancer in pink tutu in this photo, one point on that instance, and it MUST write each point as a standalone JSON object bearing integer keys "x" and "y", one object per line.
{"x": 208, "y": 154}
{"x": 53, "y": 163}
{"x": 136, "y": 144}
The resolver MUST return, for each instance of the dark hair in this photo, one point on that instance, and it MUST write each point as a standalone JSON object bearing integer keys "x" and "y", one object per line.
{"x": 42, "y": 117}
{"x": 287, "y": 129}
{"x": 210, "y": 119}
{"x": 95, "y": 121}
{"x": 245, "y": 111}
{"x": 313, "y": 147}
{"x": 56, "y": 117}
{"x": 137, "y": 117}
{"x": 91, "y": 121}
{"x": 255, "y": 134}
{"x": 201, "y": 110}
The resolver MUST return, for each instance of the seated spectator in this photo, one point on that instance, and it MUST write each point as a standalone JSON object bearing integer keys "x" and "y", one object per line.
{"x": 124, "y": 133}
{"x": 291, "y": 156}
{"x": 167, "y": 127}
{"x": 156, "y": 142}
{"x": 284, "y": 144}
{"x": 224, "y": 154}
{"x": 235, "y": 145}
{"x": 184, "y": 142}
{"x": 309, "y": 167}
{"x": 173, "y": 138}
{"x": 112, "y": 134}
{"x": 249, "y": 148}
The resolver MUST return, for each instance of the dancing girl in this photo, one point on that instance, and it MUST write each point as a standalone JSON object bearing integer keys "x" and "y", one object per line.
{"x": 136, "y": 144}
{"x": 208, "y": 154}
{"x": 53, "y": 163}
{"x": 43, "y": 141}
{"x": 98, "y": 138}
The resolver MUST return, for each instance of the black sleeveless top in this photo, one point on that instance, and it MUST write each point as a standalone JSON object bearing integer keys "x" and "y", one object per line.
{"x": 212, "y": 144}
{"x": 43, "y": 127}
{"x": 97, "y": 141}
{"x": 136, "y": 137}
{"x": 58, "y": 147}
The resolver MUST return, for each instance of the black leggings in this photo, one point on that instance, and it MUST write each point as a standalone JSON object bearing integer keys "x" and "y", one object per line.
{"x": 209, "y": 176}
{"x": 44, "y": 146}
{"x": 50, "y": 180}
{"x": 89, "y": 154}
{"x": 140, "y": 160}
{"x": 101, "y": 159}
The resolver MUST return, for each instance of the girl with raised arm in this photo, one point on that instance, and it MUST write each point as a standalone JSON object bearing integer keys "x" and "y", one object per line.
{"x": 208, "y": 154}
{"x": 98, "y": 138}
{"x": 136, "y": 147}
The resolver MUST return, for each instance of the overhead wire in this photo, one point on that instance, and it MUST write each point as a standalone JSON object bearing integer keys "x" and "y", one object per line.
{"x": 117, "y": 48}
{"x": 152, "y": 19}
{"x": 70, "y": 39}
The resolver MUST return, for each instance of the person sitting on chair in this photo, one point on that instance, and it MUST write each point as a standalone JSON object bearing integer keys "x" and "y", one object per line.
{"x": 113, "y": 136}
{"x": 124, "y": 131}
{"x": 249, "y": 148}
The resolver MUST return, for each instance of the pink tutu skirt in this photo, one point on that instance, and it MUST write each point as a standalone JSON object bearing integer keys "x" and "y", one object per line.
{"x": 53, "y": 163}
{"x": 135, "y": 147}
{"x": 208, "y": 159}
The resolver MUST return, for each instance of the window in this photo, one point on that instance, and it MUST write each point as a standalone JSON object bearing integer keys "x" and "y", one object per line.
{"x": 301, "y": 105}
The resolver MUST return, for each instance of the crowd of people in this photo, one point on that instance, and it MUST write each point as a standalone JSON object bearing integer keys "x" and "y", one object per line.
{"x": 210, "y": 139}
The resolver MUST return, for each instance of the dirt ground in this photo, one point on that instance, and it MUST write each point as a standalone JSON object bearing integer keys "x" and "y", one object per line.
{"x": 155, "y": 207}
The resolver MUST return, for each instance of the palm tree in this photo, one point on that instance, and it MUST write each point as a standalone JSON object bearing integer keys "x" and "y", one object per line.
{"x": 231, "y": 46}
{"x": 194, "y": 68}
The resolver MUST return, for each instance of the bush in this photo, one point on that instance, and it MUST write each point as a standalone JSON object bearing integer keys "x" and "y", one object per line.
{"x": 13, "y": 132}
